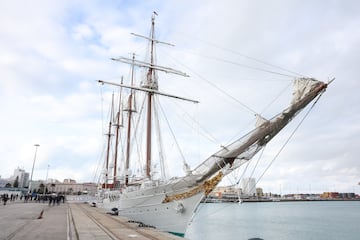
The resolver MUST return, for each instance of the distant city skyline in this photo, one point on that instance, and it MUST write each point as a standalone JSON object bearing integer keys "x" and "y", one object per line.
{"x": 248, "y": 185}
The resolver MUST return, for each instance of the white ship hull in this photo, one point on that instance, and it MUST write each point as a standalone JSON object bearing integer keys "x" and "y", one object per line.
{"x": 172, "y": 217}
{"x": 167, "y": 207}
{"x": 108, "y": 199}
{"x": 108, "y": 204}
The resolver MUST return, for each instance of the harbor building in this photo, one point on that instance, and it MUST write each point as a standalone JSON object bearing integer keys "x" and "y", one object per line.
{"x": 224, "y": 194}
{"x": 21, "y": 176}
{"x": 70, "y": 186}
{"x": 248, "y": 186}
{"x": 20, "y": 179}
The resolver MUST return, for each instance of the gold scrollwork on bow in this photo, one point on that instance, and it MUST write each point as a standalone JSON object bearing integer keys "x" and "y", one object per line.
{"x": 207, "y": 187}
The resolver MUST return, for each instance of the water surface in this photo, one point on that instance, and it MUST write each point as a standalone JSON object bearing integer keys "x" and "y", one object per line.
{"x": 277, "y": 220}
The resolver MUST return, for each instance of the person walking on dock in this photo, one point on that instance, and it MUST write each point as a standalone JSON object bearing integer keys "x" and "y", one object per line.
{"x": 5, "y": 198}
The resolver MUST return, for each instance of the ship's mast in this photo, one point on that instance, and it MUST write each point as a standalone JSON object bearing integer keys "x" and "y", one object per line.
{"x": 150, "y": 87}
{"x": 117, "y": 125}
{"x": 109, "y": 142}
{"x": 151, "y": 82}
{"x": 130, "y": 110}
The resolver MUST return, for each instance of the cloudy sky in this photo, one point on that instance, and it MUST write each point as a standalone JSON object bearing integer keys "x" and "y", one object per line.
{"x": 236, "y": 52}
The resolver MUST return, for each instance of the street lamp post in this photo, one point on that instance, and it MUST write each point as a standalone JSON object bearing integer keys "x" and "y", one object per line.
{"x": 46, "y": 181}
{"x": 32, "y": 170}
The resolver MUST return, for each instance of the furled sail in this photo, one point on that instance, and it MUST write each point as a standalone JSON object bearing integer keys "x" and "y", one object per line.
{"x": 243, "y": 149}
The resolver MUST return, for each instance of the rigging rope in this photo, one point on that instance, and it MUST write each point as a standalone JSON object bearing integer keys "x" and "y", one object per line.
{"x": 97, "y": 174}
{"x": 250, "y": 67}
{"x": 258, "y": 160}
{"x": 288, "y": 140}
{"x": 277, "y": 97}
{"x": 251, "y": 58}
{"x": 202, "y": 131}
{"x": 275, "y": 157}
{"x": 173, "y": 135}
{"x": 214, "y": 86}
{"x": 159, "y": 142}
{"x": 223, "y": 92}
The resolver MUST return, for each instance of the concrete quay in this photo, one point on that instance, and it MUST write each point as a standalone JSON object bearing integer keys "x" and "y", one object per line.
{"x": 69, "y": 221}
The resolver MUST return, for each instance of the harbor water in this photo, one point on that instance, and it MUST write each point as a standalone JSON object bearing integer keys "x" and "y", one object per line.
{"x": 318, "y": 220}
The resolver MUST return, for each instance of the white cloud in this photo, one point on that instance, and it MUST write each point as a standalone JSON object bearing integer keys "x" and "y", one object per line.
{"x": 52, "y": 53}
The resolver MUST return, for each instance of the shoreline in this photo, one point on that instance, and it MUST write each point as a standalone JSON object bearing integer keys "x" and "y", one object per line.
{"x": 274, "y": 200}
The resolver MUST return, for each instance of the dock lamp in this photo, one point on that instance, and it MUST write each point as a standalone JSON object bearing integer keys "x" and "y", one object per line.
{"x": 32, "y": 170}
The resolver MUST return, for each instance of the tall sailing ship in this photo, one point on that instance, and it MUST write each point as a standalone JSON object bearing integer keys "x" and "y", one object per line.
{"x": 169, "y": 204}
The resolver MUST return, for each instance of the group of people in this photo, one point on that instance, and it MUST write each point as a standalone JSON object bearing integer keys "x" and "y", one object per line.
{"x": 51, "y": 198}
{"x": 5, "y": 197}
